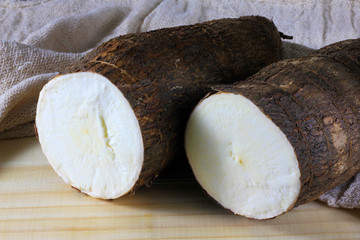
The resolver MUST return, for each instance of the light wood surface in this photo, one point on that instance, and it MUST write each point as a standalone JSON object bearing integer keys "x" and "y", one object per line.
{"x": 36, "y": 204}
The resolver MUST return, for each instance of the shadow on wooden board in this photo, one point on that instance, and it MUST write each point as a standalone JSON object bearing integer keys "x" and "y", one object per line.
{"x": 11, "y": 149}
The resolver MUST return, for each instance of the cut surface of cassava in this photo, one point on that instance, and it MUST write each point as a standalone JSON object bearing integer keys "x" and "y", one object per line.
{"x": 159, "y": 76}
{"x": 241, "y": 157}
{"x": 90, "y": 134}
{"x": 283, "y": 137}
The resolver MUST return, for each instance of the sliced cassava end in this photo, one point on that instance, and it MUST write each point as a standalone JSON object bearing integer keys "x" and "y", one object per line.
{"x": 90, "y": 134}
{"x": 241, "y": 158}
{"x": 294, "y": 116}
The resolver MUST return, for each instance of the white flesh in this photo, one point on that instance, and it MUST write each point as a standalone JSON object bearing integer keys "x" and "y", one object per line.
{"x": 90, "y": 134}
{"x": 241, "y": 158}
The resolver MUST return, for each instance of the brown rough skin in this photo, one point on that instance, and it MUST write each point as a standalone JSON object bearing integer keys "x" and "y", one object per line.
{"x": 315, "y": 101}
{"x": 164, "y": 73}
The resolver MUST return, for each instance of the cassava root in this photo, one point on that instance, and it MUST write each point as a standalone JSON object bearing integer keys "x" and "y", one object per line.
{"x": 112, "y": 122}
{"x": 283, "y": 137}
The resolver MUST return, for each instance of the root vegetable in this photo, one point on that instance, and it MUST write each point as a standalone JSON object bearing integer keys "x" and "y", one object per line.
{"x": 112, "y": 122}
{"x": 281, "y": 138}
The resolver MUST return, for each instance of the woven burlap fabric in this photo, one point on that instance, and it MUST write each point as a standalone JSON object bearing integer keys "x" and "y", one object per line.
{"x": 24, "y": 71}
{"x": 40, "y": 38}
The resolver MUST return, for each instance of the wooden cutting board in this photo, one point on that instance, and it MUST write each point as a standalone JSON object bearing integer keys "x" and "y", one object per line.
{"x": 36, "y": 204}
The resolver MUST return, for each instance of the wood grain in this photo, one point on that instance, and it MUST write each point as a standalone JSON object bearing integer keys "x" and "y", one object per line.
{"x": 36, "y": 204}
